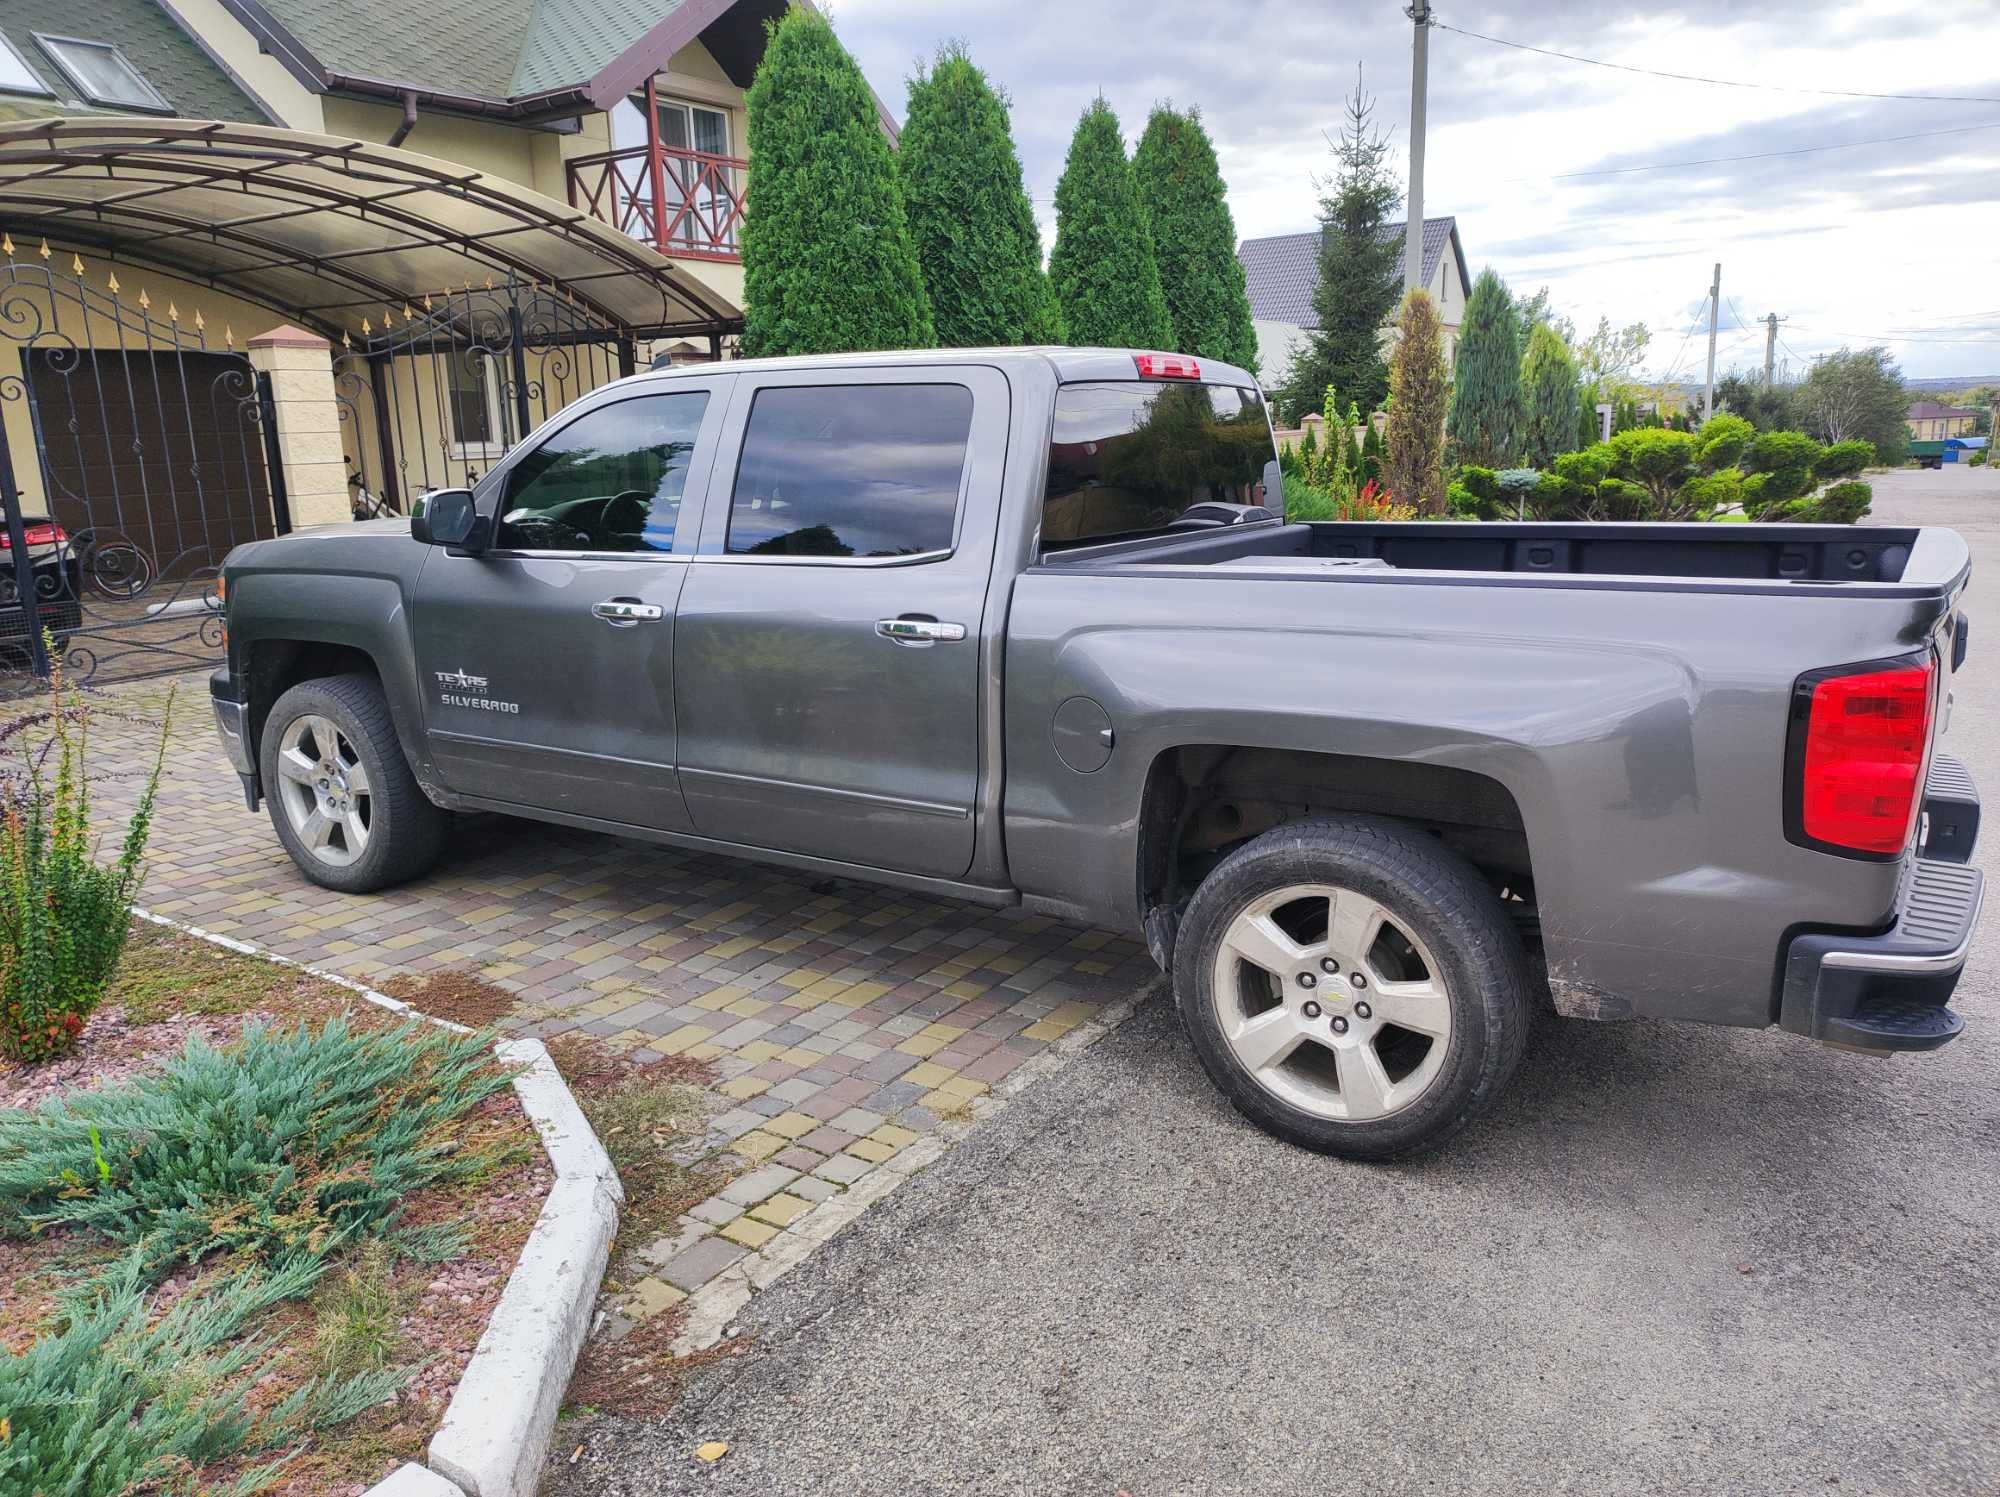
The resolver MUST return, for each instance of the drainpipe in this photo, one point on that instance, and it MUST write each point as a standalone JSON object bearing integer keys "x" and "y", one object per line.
{"x": 409, "y": 118}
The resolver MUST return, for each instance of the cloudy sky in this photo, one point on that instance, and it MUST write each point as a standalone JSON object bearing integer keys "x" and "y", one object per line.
{"x": 1896, "y": 242}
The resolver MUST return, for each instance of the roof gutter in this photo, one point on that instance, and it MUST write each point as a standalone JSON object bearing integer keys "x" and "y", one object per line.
{"x": 550, "y": 104}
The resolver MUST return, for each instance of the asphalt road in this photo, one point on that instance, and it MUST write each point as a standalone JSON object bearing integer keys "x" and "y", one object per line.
{"x": 1676, "y": 1259}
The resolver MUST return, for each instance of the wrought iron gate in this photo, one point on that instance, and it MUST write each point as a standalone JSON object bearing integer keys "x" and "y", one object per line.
{"x": 137, "y": 447}
{"x": 438, "y": 391}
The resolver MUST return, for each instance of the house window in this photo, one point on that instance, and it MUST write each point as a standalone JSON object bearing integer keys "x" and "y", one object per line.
{"x": 101, "y": 73}
{"x": 690, "y": 127}
{"x": 16, "y": 77}
{"x": 474, "y": 396}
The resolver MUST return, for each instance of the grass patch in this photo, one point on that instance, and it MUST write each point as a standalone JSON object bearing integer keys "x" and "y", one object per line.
{"x": 356, "y": 1316}
{"x": 164, "y": 973}
{"x": 646, "y": 1116}
{"x": 462, "y": 996}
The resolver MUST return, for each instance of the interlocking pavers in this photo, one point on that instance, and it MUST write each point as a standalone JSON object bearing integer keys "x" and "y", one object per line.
{"x": 815, "y": 1005}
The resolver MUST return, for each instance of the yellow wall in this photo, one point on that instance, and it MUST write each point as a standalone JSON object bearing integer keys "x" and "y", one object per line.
{"x": 225, "y": 317}
{"x": 231, "y": 44}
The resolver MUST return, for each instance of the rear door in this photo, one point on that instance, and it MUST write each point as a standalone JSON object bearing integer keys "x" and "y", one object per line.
{"x": 547, "y": 661}
{"x": 827, "y": 649}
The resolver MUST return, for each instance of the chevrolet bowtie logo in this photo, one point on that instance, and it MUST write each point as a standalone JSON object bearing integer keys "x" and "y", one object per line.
{"x": 460, "y": 679}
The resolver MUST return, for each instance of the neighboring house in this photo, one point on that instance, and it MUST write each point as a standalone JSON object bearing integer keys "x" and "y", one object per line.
{"x": 487, "y": 207}
{"x": 1282, "y": 273}
{"x": 1933, "y": 421}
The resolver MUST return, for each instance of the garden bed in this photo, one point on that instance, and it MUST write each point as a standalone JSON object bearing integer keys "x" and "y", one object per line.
{"x": 394, "y": 1312}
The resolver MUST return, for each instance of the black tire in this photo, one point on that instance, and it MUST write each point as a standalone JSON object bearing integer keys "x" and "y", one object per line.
{"x": 406, "y": 832}
{"x": 1439, "y": 899}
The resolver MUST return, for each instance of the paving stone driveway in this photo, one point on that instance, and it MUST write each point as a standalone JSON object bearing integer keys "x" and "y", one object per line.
{"x": 843, "y": 1020}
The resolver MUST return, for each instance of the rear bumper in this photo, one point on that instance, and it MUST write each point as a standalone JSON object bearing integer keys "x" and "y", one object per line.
{"x": 1890, "y": 991}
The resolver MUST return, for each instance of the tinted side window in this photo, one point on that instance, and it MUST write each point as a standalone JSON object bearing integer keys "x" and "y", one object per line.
{"x": 850, "y": 470}
{"x": 608, "y": 481}
{"x": 1128, "y": 456}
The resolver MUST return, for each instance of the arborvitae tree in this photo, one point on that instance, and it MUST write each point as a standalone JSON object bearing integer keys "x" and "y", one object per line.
{"x": 1371, "y": 453}
{"x": 1485, "y": 424}
{"x": 1413, "y": 466}
{"x": 1360, "y": 272}
{"x": 1106, "y": 280}
{"x": 974, "y": 228}
{"x": 1550, "y": 394}
{"x": 827, "y": 259}
{"x": 1194, "y": 239}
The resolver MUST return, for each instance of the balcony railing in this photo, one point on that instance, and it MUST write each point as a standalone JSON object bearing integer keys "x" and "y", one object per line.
{"x": 684, "y": 203}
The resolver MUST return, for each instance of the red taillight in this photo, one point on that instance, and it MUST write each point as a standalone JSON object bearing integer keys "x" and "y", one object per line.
{"x": 1862, "y": 775}
{"x": 1166, "y": 366}
{"x": 35, "y": 535}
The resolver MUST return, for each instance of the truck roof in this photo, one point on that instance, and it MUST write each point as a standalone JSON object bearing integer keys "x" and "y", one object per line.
{"x": 1070, "y": 364}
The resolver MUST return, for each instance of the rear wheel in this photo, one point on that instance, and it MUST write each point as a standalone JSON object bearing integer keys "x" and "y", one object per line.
{"x": 341, "y": 795}
{"x": 1352, "y": 986}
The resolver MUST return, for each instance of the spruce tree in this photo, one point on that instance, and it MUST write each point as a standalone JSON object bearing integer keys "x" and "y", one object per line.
{"x": 970, "y": 218}
{"x": 1550, "y": 393}
{"x": 1413, "y": 465}
{"x": 1194, "y": 239}
{"x": 1106, "y": 281}
{"x": 1360, "y": 271}
{"x": 1485, "y": 424}
{"x": 827, "y": 260}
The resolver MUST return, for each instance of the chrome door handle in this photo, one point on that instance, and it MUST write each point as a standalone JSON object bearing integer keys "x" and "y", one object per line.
{"x": 622, "y": 613}
{"x": 918, "y": 631}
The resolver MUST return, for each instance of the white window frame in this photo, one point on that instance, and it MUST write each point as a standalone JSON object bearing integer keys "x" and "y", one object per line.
{"x": 687, "y": 108}
{"x": 53, "y": 45}
{"x": 480, "y": 452}
{"x": 34, "y": 84}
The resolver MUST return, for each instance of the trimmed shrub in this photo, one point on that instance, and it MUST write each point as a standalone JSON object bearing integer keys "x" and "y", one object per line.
{"x": 970, "y": 219}
{"x": 1106, "y": 281}
{"x": 1413, "y": 468}
{"x": 827, "y": 261}
{"x": 1550, "y": 391}
{"x": 1486, "y": 416}
{"x": 1194, "y": 239}
{"x": 63, "y": 915}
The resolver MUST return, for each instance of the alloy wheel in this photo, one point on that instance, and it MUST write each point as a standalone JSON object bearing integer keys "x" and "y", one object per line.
{"x": 325, "y": 790}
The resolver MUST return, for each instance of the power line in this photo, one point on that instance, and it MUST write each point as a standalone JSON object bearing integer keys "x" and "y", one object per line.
{"x": 1838, "y": 145}
{"x": 1829, "y": 332}
{"x": 1781, "y": 88}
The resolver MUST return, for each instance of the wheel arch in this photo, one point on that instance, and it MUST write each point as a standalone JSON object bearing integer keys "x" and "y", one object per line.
{"x": 1200, "y": 800}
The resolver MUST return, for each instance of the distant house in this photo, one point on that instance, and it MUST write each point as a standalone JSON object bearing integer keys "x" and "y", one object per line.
{"x": 1933, "y": 421}
{"x": 1282, "y": 273}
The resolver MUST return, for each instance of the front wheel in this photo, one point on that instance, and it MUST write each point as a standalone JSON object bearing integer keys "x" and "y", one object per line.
{"x": 1352, "y": 986}
{"x": 341, "y": 794}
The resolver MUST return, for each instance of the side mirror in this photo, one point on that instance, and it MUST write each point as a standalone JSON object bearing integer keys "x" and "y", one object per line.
{"x": 1274, "y": 488}
{"x": 446, "y": 519}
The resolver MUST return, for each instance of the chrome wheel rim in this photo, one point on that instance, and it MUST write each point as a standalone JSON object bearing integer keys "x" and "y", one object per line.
{"x": 325, "y": 791}
{"x": 1331, "y": 1002}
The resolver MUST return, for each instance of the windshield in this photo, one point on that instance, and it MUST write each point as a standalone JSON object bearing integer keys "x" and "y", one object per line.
{"x": 1129, "y": 457}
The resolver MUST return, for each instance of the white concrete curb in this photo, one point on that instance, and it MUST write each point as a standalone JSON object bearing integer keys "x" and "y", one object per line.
{"x": 711, "y": 1308}
{"x": 497, "y": 1427}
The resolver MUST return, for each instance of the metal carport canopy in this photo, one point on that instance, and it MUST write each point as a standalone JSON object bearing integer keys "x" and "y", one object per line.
{"x": 324, "y": 230}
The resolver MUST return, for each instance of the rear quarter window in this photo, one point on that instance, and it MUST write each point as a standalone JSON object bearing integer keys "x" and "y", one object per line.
{"x": 1128, "y": 457}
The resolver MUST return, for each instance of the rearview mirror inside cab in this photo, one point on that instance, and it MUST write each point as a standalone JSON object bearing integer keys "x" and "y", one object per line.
{"x": 446, "y": 519}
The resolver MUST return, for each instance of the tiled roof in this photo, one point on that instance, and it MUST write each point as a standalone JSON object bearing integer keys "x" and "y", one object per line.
{"x": 1283, "y": 270}
{"x": 494, "y": 49}
{"x": 1935, "y": 410}
{"x": 164, "y": 55}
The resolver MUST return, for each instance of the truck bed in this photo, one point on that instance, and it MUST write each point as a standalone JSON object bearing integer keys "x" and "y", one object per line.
{"x": 1893, "y": 558}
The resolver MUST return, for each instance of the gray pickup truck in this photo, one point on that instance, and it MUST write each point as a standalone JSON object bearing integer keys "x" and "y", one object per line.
{"x": 1029, "y": 626}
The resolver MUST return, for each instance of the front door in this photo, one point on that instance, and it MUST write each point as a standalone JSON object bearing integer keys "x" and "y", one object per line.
{"x": 547, "y": 661}
{"x": 827, "y": 657}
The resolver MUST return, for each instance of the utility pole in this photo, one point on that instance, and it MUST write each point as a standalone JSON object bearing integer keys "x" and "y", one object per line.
{"x": 1419, "y": 12}
{"x": 1770, "y": 345}
{"x": 1714, "y": 303}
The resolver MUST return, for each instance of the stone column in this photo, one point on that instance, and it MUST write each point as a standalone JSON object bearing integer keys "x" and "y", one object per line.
{"x": 301, "y": 368}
